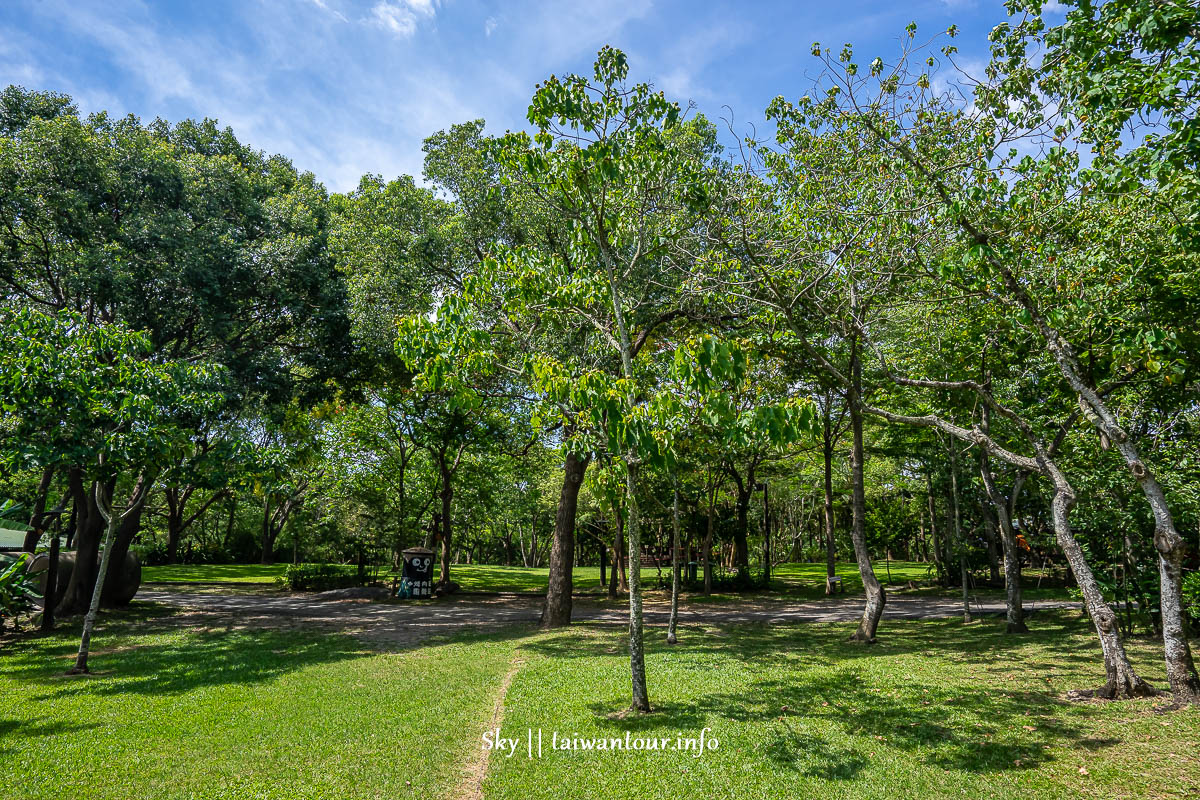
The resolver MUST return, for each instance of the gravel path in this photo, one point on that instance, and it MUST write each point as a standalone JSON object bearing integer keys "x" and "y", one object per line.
{"x": 407, "y": 624}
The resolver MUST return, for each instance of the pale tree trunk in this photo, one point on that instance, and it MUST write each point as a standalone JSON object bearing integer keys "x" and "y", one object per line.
{"x": 876, "y": 598}
{"x": 1122, "y": 681}
{"x": 1014, "y": 612}
{"x": 830, "y": 547}
{"x": 958, "y": 537}
{"x": 562, "y": 551}
{"x": 675, "y": 566}
{"x": 112, "y": 520}
{"x": 637, "y": 660}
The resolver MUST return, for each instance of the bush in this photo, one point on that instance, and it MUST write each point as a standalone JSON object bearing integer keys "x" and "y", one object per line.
{"x": 318, "y": 577}
{"x": 17, "y": 589}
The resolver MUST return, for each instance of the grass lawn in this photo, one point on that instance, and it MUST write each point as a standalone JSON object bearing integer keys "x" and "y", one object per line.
{"x": 933, "y": 710}
{"x": 262, "y": 714}
{"x": 214, "y": 573}
{"x": 790, "y": 580}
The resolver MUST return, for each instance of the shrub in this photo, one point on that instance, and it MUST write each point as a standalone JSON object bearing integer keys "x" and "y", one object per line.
{"x": 318, "y": 577}
{"x": 17, "y": 589}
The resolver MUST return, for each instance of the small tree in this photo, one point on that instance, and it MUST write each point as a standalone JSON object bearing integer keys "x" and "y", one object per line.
{"x": 86, "y": 394}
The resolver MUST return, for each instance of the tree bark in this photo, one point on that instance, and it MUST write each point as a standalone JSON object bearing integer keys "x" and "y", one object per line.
{"x": 708, "y": 542}
{"x": 637, "y": 661}
{"x": 675, "y": 566}
{"x": 830, "y": 546}
{"x": 959, "y": 542}
{"x": 1122, "y": 681}
{"x": 876, "y": 598}
{"x": 267, "y": 538}
{"x": 447, "y": 532}
{"x": 1014, "y": 612}
{"x": 562, "y": 552}
{"x": 90, "y": 527}
{"x": 36, "y": 523}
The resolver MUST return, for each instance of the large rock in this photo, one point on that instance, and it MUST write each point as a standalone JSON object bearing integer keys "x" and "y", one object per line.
{"x": 119, "y": 590}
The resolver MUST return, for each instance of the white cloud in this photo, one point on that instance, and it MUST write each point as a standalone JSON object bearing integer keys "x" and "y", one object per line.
{"x": 401, "y": 18}
{"x": 321, "y": 4}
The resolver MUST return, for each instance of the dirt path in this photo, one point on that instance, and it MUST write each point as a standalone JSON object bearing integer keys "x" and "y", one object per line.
{"x": 471, "y": 787}
{"x": 398, "y": 624}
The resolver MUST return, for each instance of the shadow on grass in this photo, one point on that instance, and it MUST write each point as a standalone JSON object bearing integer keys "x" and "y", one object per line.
{"x": 35, "y": 728}
{"x": 143, "y": 651}
{"x": 961, "y": 710}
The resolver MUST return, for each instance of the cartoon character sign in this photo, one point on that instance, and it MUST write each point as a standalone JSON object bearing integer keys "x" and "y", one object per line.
{"x": 417, "y": 576}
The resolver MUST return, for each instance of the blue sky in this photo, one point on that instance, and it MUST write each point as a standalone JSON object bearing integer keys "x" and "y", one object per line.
{"x": 344, "y": 87}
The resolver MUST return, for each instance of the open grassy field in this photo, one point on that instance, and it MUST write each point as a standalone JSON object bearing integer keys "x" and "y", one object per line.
{"x": 935, "y": 709}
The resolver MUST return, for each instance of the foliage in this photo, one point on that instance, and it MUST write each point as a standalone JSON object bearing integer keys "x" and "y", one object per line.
{"x": 318, "y": 577}
{"x": 17, "y": 589}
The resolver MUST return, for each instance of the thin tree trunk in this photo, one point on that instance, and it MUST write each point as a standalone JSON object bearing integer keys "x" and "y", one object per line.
{"x": 708, "y": 541}
{"x": 637, "y": 660}
{"x": 562, "y": 552}
{"x": 89, "y": 531}
{"x": 958, "y": 537}
{"x": 36, "y": 522}
{"x": 675, "y": 566}
{"x": 267, "y": 540}
{"x": 1014, "y": 612}
{"x": 876, "y": 598}
{"x": 830, "y": 546}
{"x": 112, "y": 520}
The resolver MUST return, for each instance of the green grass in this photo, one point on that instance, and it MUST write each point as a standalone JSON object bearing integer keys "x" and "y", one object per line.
{"x": 797, "y": 580}
{"x": 935, "y": 709}
{"x": 262, "y": 714}
{"x": 214, "y": 573}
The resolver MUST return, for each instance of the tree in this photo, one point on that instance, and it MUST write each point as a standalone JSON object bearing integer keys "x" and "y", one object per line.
{"x": 120, "y": 412}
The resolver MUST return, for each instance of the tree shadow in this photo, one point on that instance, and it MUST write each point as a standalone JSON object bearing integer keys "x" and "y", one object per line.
{"x": 979, "y": 726}
{"x": 36, "y": 728}
{"x": 128, "y": 657}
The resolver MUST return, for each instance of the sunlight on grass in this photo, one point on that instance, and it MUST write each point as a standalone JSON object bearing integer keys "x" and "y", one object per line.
{"x": 264, "y": 714}
{"x": 933, "y": 710}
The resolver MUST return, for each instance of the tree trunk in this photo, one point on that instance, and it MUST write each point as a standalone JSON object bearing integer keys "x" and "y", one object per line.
{"x": 876, "y": 598}
{"x": 830, "y": 546}
{"x": 36, "y": 522}
{"x": 90, "y": 527}
{"x": 112, "y": 521}
{"x": 127, "y": 530}
{"x": 637, "y": 661}
{"x": 708, "y": 542}
{"x": 267, "y": 539}
{"x": 741, "y": 544}
{"x": 1122, "y": 682}
{"x": 675, "y": 566}
{"x": 562, "y": 551}
{"x": 1014, "y": 612}
{"x": 959, "y": 542}
{"x": 447, "y": 520}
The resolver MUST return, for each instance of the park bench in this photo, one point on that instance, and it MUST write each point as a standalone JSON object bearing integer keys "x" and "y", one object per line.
{"x": 834, "y": 585}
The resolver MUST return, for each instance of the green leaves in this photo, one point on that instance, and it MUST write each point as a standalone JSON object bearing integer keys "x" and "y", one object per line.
{"x": 78, "y": 393}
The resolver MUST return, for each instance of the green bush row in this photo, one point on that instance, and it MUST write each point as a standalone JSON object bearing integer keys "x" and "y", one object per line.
{"x": 318, "y": 577}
